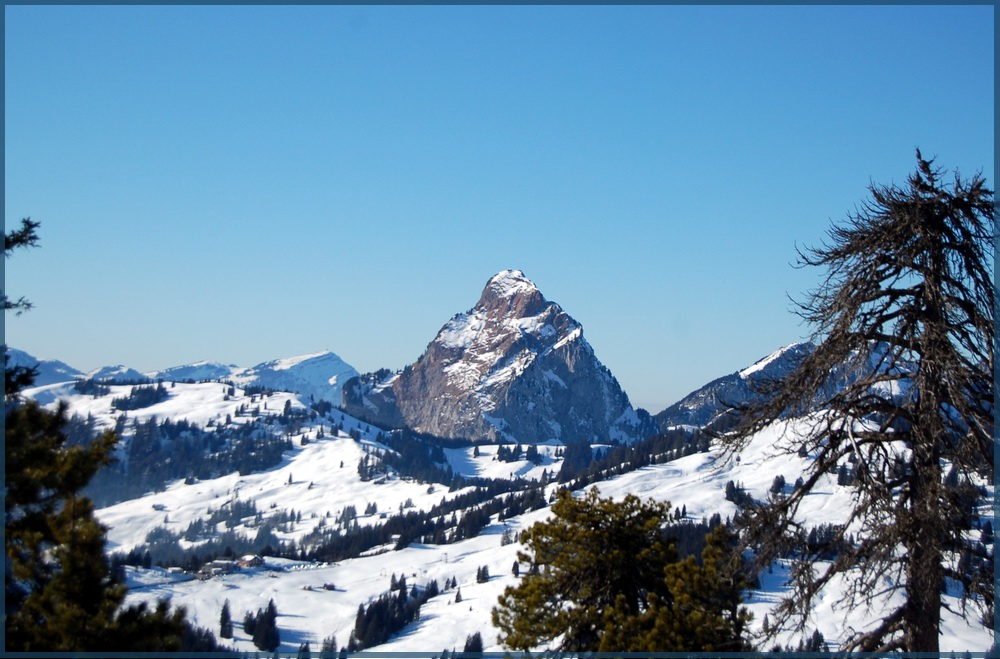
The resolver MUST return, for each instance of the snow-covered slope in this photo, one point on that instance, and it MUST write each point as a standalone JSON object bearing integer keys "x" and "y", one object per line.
{"x": 308, "y": 613}
{"x": 515, "y": 366}
{"x": 116, "y": 373}
{"x": 196, "y": 372}
{"x": 201, "y": 403}
{"x": 319, "y": 375}
{"x": 318, "y": 479}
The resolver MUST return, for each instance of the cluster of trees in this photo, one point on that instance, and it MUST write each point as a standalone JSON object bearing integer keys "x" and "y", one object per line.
{"x": 161, "y": 451}
{"x": 582, "y": 466}
{"x": 387, "y": 615}
{"x": 262, "y": 627}
{"x": 140, "y": 397}
{"x": 420, "y": 457}
{"x": 442, "y": 524}
{"x": 507, "y": 453}
{"x": 92, "y": 387}
{"x": 738, "y": 494}
{"x": 162, "y": 547}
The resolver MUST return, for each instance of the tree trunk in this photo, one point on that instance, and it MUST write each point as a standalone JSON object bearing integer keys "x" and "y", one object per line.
{"x": 925, "y": 573}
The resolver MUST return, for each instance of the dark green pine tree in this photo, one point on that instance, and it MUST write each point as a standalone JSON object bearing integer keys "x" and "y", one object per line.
{"x": 60, "y": 592}
{"x": 225, "y": 622}
{"x": 329, "y": 646}
{"x": 473, "y": 643}
{"x": 604, "y": 578}
{"x": 266, "y": 635}
{"x": 699, "y": 612}
{"x": 593, "y": 555}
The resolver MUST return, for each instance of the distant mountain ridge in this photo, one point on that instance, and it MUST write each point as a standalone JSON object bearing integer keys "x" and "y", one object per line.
{"x": 515, "y": 367}
{"x": 704, "y": 405}
{"x": 49, "y": 371}
{"x": 318, "y": 375}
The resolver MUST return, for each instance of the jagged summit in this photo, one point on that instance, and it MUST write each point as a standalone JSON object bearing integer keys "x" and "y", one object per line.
{"x": 515, "y": 366}
{"x": 510, "y": 292}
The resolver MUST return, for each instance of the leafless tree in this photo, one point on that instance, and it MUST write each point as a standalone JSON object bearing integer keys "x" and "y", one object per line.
{"x": 901, "y": 384}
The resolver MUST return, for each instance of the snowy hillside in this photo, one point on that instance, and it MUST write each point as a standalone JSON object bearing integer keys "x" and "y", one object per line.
{"x": 336, "y": 478}
{"x": 319, "y": 375}
{"x": 308, "y": 613}
{"x": 197, "y": 372}
{"x": 201, "y": 403}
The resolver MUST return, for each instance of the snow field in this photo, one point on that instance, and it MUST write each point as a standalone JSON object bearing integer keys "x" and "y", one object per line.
{"x": 696, "y": 481}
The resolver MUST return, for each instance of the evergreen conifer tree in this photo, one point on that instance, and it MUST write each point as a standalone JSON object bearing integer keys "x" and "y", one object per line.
{"x": 225, "y": 622}
{"x": 60, "y": 592}
{"x": 473, "y": 643}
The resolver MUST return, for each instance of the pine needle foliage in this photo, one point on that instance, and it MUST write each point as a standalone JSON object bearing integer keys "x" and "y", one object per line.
{"x": 604, "y": 576}
{"x": 60, "y": 592}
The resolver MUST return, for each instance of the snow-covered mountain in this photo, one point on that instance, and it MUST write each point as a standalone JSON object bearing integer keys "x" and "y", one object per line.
{"x": 116, "y": 373}
{"x": 704, "y": 405}
{"x": 196, "y": 372}
{"x": 319, "y": 375}
{"x": 515, "y": 366}
{"x": 708, "y": 405}
{"x": 49, "y": 371}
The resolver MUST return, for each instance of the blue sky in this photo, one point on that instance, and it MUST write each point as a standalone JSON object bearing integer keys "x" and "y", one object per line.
{"x": 247, "y": 183}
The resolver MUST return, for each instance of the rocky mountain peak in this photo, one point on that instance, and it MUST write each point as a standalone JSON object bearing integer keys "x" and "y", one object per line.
{"x": 510, "y": 293}
{"x": 515, "y": 366}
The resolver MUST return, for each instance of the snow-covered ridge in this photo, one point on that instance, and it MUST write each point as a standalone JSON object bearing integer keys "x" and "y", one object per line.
{"x": 49, "y": 371}
{"x": 320, "y": 375}
{"x": 761, "y": 364}
{"x": 291, "y": 362}
{"x": 509, "y": 283}
{"x": 117, "y": 373}
{"x": 203, "y": 370}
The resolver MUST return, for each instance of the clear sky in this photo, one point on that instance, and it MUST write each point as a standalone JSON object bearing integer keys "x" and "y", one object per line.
{"x": 246, "y": 183}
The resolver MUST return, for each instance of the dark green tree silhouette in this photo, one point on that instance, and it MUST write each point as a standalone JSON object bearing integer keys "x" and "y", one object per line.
{"x": 602, "y": 576}
{"x": 60, "y": 593}
{"x": 225, "y": 622}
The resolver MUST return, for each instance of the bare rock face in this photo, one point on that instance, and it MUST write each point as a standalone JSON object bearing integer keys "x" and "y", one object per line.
{"x": 515, "y": 366}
